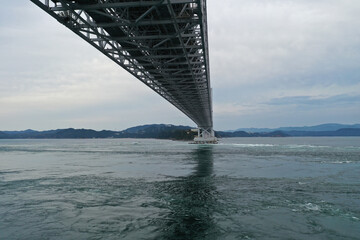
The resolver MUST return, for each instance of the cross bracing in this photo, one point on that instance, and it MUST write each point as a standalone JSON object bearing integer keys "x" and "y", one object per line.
{"x": 163, "y": 43}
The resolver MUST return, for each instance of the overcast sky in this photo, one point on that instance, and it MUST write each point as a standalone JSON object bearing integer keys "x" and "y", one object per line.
{"x": 273, "y": 63}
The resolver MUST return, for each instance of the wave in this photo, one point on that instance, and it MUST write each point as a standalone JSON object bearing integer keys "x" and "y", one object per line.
{"x": 251, "y": 145}
{"x": 340, "y": 162}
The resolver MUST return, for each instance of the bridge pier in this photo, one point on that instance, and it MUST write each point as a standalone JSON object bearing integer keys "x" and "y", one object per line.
{"x": 206, "y": 135}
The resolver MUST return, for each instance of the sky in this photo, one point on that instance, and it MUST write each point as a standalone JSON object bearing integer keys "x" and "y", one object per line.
{"x": 273, "y": 63}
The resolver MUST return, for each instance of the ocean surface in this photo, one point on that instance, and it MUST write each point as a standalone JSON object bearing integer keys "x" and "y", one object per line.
{"x": 241, "y": 188}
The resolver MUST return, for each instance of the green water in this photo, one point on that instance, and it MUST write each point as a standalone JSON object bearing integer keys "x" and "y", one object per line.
{"x": 242, "y": 188}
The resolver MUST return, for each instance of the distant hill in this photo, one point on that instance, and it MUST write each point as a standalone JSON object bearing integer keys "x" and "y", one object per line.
{"x": 345, "y": 132}
{"x": 81, "y": 133}
{"x": 3, "y": 135}
{"x": 160, "y": 131}
{"x": 168, "y": 131}
{"x": 30, "y": 134}
{"x": 249, "y": 134}
{"x": 154, "y": 128}
{"x": 317, "y": 128}
{"x": 19, "y": 132}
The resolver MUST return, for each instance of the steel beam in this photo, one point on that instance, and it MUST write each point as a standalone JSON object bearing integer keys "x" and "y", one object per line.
{"x": 162, "y": 43}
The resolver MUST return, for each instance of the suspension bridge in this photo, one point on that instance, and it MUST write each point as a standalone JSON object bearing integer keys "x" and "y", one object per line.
{"x": 162, "y": 43}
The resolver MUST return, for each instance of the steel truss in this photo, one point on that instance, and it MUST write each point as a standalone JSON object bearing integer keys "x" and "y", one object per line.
{"x": 163, "y": 43}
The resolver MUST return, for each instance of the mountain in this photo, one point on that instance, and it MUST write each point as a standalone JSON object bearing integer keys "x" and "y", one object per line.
{"x": 3, "y": 135}
{"x": 160, "y": 131}
{"x": 153, "y": 129}
{"x": 224, "y": 134}
{"x": 30, "y": 134}
{"x": 168, "y": 131}
{"x": 322, "y": 127}
{"x": 82, "y": 133}
{"x": 345, "y": 132}
{"x": 19, "y": 132}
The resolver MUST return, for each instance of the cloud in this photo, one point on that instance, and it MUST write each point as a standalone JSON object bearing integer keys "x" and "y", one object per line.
{"x": 272, "y": 63}
{"x": 282, "y": 41}
{"x": 316, "y": 101}
{"x": 281, "y": 56}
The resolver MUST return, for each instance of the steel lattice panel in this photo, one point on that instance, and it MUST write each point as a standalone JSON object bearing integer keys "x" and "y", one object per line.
{"x": 163, "y": 43}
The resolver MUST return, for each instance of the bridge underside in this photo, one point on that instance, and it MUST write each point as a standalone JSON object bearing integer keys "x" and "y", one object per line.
{"x": 163, "y": 43}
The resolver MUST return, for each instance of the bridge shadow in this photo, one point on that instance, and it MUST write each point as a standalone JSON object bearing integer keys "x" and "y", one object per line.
{"x": 191, "y": 200}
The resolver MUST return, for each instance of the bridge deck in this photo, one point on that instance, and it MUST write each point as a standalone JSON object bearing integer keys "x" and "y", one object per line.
{"x": 163, "y": 43}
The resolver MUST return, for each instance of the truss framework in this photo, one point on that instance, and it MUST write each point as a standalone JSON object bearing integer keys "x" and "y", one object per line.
{"x": 163, "y": 43}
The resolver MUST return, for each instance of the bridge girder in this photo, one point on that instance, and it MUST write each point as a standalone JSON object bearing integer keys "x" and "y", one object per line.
{"x": 162, "y": 43}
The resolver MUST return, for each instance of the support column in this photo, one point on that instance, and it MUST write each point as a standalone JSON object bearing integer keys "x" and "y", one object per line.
{"x": 206, "y": 135}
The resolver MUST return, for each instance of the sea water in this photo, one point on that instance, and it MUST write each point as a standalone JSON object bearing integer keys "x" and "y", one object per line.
{"x": 241, "y": 188}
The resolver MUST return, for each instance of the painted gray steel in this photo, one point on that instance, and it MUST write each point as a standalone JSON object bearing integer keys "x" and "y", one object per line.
{"x": 162, "y": 43}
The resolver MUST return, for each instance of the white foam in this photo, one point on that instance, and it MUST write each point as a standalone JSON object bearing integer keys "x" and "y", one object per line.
{"x": 305, "y": 146}
{"x": 253, "y": 145}
{"x": 311, "y": 207}
{"x": 341, "y": 162}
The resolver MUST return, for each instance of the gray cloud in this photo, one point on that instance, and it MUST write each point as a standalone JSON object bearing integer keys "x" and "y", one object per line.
{"x": 316, "y": 102}
{"x": 272, "y": 63}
